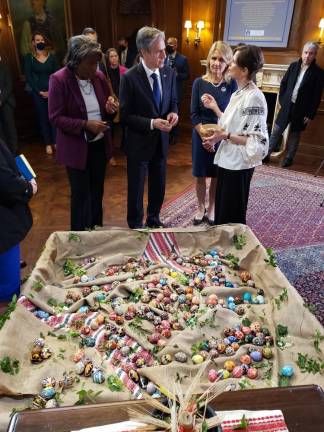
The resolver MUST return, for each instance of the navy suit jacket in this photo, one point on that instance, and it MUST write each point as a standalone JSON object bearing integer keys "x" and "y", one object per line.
{"x": 182, "y": 72}
{"x": 137, "y": 108}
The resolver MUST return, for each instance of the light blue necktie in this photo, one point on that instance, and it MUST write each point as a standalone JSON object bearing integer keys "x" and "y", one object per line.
{"x": 156, "y": 91}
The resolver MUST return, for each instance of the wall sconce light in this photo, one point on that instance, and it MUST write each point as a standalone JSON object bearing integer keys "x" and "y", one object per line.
{"x": 321, "y": 26}
{"x": 188, "y": 26}
{"x": 199, "y": 26}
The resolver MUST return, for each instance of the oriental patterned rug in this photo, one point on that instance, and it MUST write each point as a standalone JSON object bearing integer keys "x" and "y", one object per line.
{"x": 284, "y": 212}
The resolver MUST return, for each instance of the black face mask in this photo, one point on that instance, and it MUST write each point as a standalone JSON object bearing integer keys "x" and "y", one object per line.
{"x": 169, "y": 49}
{"x": 40, "y": 46}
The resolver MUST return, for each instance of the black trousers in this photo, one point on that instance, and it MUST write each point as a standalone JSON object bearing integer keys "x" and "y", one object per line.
{"x": 8, "y": 131}
{"x": 87, "y": 189}
{"x": 232, "y": 195}
{"x": 136, "y": 174}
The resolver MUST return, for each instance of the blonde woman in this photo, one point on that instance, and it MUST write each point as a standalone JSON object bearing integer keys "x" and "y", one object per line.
{"x": 218, "y": 84}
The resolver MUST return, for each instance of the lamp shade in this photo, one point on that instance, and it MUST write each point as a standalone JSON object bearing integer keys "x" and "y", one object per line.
{"x": 200, "y": 24}
{"x": 321, "y": 24}
{"x": 188, "y": 24}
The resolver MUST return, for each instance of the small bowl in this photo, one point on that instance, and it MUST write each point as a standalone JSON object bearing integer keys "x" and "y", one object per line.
{"x": 208, "y": 130}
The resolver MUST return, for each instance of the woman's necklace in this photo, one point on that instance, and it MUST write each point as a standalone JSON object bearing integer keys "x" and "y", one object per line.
{"x": 216, "y": 84}
{"x": 87, "y": 87}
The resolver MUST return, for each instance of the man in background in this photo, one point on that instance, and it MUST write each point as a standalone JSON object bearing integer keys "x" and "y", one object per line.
{"x": 148, "y": 110}
{"x": 179, "y": 63}
{"x": 299, "y": 97}
{"x": 8, "y": 132}
{"x": 127, "y": 52}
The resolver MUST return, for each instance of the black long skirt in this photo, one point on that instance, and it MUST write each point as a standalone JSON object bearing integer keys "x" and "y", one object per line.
{"x": 232, "y": 195}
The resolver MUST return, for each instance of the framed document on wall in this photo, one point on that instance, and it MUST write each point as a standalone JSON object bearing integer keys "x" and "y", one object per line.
{"x": 265, "y": 23}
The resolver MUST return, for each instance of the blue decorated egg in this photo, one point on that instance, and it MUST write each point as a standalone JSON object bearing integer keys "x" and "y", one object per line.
{"x": 84, "y": 309}
{"x": 247, "y": 297}
{"x": 98, "y": 376}
{"x": 287, "y": 371}
{"x": 101, "y": 297}
{"x": 47, "y": 393}
{"x": 256, "y": 356}
{"x": 231, "y": 306}
{"x": 89, "y": 341}
{"x": 229, "y": 284}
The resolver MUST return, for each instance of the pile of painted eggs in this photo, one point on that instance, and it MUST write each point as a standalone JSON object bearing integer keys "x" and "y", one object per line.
{"x": 40, "y": 352}
{"x": 84, "y": 366}
{"x": 231, "y": 369}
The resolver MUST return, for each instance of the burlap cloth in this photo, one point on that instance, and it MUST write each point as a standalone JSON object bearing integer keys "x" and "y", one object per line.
{"x": 116, "y": 246}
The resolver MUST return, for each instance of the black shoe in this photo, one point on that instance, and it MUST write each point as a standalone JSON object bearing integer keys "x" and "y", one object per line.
{"x": 266, "y": 160}
{"x": 210, "y": 222}
{"x": 286, "y": 163}
{"x": 199, "y": 221}
{"x": 23, "y": 264}
{"x": 155, "y": 224}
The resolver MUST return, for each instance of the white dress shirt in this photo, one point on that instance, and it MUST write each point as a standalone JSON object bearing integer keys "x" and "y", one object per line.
{"x": 297, "y": 85}
{"x": 149, "y": 72}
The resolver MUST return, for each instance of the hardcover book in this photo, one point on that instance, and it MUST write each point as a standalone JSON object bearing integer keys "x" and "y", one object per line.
{"x": 24, "y": 167}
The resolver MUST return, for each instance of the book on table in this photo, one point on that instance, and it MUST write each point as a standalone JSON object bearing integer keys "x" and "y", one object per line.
{"x": 24, "y": 167}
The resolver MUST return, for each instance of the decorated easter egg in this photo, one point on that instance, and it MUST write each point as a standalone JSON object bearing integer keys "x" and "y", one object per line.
{"x": 48, "y": 393}
{"x": 245, "y": 359}
{"x": 89, "y": 341}
{"x": 287, "y": 371}
{"x": 98, "y": 376}
{"x": 38, "y": 402}
{"x": 79, "y": 368}
{"x": 166, "y": 359}
{"x": 51, "y": 403}
{"x": 229, "y": 365}
{"x": 133, "y": 375}
{"x": 39, "y": 342}
{"x": 256, "y": 356}
{"x": 245, "y": 276}
{"x": 212, "y": 375}
{"x": 180, "y": 357}
{"x": 247, "y": 297}
{"x": 88, "y": 368}
{"x": 229, "y": 351}
{"x": 252, "y": 373}
{"x": 46, "y": 353}
{"x": 197, "y": 359}
{"x": 237, "y": 372}
{"x": 48, "y": 382}
{"x": 267, "y": 352}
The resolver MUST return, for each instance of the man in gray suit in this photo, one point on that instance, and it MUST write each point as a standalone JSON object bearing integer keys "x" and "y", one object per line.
{"x": 8, "y": 130}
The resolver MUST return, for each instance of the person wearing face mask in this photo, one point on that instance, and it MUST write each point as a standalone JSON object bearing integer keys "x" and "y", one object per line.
{"x": 300, "y": 95}
{"x": 127, "y": 52}
{"x": 179, "y": 63}
{"x": 38, "y": 67}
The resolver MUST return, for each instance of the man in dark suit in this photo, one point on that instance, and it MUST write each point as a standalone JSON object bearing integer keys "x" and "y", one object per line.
{"x": 127, "y": 52}
{"x": 180, "y": 64}
{"x": 8, "y": 130}
{"x": 299, "y": 97}
{"x": 148, "y": 109}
